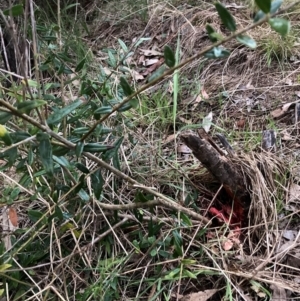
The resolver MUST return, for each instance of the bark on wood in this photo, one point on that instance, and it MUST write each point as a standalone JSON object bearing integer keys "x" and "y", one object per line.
{"x": 221, "y": 167}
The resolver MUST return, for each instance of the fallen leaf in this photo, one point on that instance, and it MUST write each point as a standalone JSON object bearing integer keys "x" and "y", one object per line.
{"x": 227, "y": 245}
{"x": 207, "y": 121}
{"x": 150, "y": 52}
{"x": 294, "y": 192}
{"x": 149, "y": 62}
{"x": 290, "y": 234}
{"x": 288, "y": 81}
{"x": 12, "y": 213}
{"x": 241, "y": 123}
{"x": 278, "y": 293}
{"x": 279, "y": 112}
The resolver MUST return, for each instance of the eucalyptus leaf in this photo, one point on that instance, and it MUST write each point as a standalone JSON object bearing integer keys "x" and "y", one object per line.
{"x": 58, "y": 115}
{"x": 246, "y": 40}
{"x": 282, "y": 26}
{"x": 226, "y": 17}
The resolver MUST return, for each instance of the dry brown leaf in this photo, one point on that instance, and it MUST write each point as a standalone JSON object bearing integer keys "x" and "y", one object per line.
{"x": 13, "y": 216}
{"x": 278, "y": 293}
{"x": 170, "y": 138}
{"x": 241, "y": 123}
{"x": 136, "y": 76}
{"x": 149, "y": 52}
{"x": 279, "y": 112}
{"x": 294, "y": 192}
{"x": 286, "y": 136}
{"x": 200, "y": 296}
{"x": 149, "y": 62}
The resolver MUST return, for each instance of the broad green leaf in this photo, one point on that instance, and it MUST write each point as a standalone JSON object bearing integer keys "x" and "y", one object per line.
{"x": 4, "y": 117}
{"x": 282, "y": 26}
{"x": 58, "y": 213}
{"x": 210, "y": 30}
{"x": 275, "y": 5}
{"x": 264, "y": 5}
{"x": 35, "y": 215}
{"x": 19, "y": 136}
{"x": 60, "y": 150}
{"x": 12, "y": 155}
{"x": 96, "y": 147}
{"x": 169, "y": 56}
{"x": 27, "y": 106}
{"x": 15, "y": 11}
{"x": 58, "y": 115}
{"x": 226, "y": 17}
{"x": 134, "y": 102}
{"x": 97, "y": 183}
{"x": 82, "y": 167}
{"x": 217, "y": 52}
{"x": 247, "y": 41}
{"x": 45, "y": 152}
{"x": 83, "y": 195}
{"x": 125, "y": 86}
{"x": 63, "y": 162}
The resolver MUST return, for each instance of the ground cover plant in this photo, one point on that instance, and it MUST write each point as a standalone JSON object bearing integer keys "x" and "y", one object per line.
{"x": 105, "y": 114}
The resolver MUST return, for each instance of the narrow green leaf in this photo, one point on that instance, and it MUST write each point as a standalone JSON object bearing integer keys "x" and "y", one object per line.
{"x": 27, "y": 106}
{"x": 96, "y": 147}
{"x": 58, "y": 115}
{"x": 210, "y": 30}
{"x": 97, "y": 183}
{"x": 103, "y": 110}
{"x": 189, "y": 274}
{"x": 81, "y": 130}
{"x": 62, "y": 161}
{"x": 4, "y": 267}
{"x": 45, "y": 152}
{"x": 79, "y": 148}
{"x": 282, "y": 26}
{"x": 226, "y": 17}
{"x": 15, "y": 11}
{"x": 177, "y": 240}
{"x": 123, "y": 45}
{"x": 264, "y": 5}
{"x": 247, "y": 41}
{"x": 169, "y": 56}
{"x": 125, "y": 86}
{"x": 80, "y": 65}
{"x": 156, "y": 74}
{"x": 127, "y": 106}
